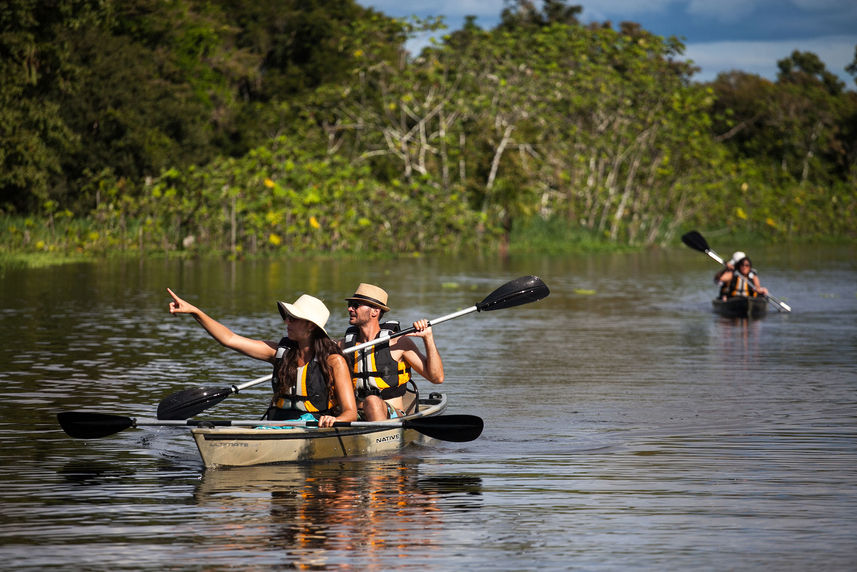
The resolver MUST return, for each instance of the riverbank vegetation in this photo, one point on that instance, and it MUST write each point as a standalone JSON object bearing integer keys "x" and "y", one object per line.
{"x": 251, "y": 129}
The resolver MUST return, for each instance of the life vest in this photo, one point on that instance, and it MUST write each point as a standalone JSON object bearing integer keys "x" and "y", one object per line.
{"x": 739, "y": 285}
{"x": 310, "y": 392}
{"x": 374, "y": 371}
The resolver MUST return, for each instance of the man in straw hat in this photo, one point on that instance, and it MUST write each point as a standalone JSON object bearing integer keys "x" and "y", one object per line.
{"x": 381, "y": 373}
{"x": 325, "y": 392}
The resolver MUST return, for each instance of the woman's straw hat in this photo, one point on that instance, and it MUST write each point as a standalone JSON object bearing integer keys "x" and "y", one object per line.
{"x": 306, "y": 308}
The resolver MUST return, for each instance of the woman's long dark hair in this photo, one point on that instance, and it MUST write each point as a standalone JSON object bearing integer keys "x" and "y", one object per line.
{"x": 322, "y": 347}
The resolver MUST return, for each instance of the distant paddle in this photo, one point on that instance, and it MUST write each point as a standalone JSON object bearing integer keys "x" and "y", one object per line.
{"x": 697, "y": 242}
{"x": 190, "y": 402}
{"x": 84, "y": 425}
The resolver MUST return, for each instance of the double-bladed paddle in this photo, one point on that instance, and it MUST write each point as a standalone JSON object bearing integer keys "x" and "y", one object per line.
{"x": 697, "y": 242}
{"x": 190, "y": 402}
{"x": 84, "y": 425}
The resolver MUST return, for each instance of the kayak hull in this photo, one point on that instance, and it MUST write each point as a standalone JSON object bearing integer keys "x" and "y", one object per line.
{"x": 741, "y": 307}
{"x": 248, "y": 446}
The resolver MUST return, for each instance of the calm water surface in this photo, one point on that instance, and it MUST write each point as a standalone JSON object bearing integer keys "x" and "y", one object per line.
{"x": 627, "y": 427}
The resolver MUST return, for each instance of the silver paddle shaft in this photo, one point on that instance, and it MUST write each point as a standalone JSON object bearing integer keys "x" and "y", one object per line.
{"x": 369, "y": 344}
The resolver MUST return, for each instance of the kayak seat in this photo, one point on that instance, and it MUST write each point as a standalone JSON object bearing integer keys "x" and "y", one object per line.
{"x": 411, "y": 398}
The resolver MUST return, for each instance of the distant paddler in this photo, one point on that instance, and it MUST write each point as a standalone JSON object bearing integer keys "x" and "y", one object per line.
{"x": 741, "y": 281}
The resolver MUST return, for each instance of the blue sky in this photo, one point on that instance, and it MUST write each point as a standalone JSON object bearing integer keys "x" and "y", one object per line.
{"x": 719, "y": 35}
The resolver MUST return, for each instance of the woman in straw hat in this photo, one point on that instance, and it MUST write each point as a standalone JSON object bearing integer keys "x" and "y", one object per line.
{"x": 311, "y": 378}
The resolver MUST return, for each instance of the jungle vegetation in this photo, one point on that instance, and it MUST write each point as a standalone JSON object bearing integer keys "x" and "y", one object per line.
{"x": 282, "y": 126}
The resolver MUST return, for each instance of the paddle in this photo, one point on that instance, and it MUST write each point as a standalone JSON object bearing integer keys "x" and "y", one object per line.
{"x": 83, "y": 425}
{"x": 697, "y": 242}
{"x": 190, "y": 402}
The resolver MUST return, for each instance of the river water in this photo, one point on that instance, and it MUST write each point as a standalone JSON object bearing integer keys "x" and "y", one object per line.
{"x": 626, "y": 426}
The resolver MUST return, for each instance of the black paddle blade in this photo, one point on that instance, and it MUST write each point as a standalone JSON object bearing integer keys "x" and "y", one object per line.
{"x": 189, "y": 402}
{"x": 82, "y": 425}
{"x": 457, "y": 428}
{"x": 695, "y": 240}
{"x": 522, "y": 290}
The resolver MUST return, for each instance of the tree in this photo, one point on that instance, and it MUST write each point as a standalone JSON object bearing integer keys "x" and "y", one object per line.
{"x": 519, "y": 14}
{"x": 599, "y": 125}
{"x": 797, "y": 125}
{"x": 806, "y": 68}
{"x": 34, "y": 136}
{"x": 852, "y": 67}
{"x": 807, "y": 119}
{"x": 98, "y": 86}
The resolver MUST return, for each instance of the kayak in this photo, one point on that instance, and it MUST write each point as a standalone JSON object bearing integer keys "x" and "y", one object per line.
{"x": 247, "y": 446}
{"x": 741, "y": 307}
{"x": 241, "y": 443}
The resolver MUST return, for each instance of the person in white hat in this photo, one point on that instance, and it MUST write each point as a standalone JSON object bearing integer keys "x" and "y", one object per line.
{"x": 741, "y": 280}
{"x": 381, "y": 373}
{"x": 311, "y": 380}
{"x": 729, "y": 265}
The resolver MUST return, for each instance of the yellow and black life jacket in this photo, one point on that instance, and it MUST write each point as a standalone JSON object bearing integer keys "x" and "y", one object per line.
{"x": 739, "y": 285}
{"x": 373, "y": 370}
{"x": 309, "y": 393}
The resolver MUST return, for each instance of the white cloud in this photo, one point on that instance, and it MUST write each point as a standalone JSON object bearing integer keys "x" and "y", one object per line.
{"x": 761, "y": 57}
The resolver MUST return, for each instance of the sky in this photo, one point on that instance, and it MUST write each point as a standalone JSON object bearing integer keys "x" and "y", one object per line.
{"x": 719, "y": 35}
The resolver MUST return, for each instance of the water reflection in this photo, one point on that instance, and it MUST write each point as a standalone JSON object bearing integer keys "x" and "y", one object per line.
{"x": 738, "y": 338}
{"x": 618, "y": 408}
{"x": 317, "y": 513}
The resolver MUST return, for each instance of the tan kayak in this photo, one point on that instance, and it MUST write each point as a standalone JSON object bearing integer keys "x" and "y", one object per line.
{"x": 246, "y": 446}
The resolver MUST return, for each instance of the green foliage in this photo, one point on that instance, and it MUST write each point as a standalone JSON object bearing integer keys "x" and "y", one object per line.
{"x": 276, "y": 199}
{"x": 271, "y": 127}
{"x": 523, "y": 14}
{"x": 802, "y": 126}
{"x": 757, "y": 202}
{"x": 35, "y": 138}
{"x": 542, "y": 117}
{"x": 556, "y": 236}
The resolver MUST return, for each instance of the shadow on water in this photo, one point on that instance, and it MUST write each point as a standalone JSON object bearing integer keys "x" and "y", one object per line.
{"x": 93, "y": 473}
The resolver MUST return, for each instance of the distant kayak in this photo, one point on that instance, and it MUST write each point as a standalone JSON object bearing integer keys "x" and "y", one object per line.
{"x": 741, "y": 307}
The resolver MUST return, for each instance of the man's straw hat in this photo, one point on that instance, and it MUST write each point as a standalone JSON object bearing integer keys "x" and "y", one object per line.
{"x": 371, "y": 296}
